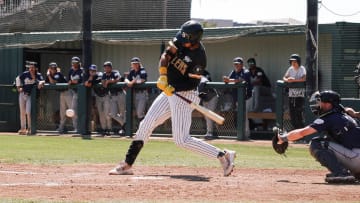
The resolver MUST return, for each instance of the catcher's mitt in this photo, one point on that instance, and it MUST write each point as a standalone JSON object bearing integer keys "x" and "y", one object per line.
{"x": 279, "y": 148}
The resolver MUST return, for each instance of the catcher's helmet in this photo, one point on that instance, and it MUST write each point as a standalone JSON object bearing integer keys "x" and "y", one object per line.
{"x": 191, "y": 31}
{"x": 295, "y": 57}
{"x": 328, "y": 96}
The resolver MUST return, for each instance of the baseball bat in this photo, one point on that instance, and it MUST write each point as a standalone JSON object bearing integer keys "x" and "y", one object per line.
{"x": 206, "y": 112}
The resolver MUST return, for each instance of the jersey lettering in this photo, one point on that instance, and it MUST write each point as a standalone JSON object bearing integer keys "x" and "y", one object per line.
{"x": 179, "y": 64}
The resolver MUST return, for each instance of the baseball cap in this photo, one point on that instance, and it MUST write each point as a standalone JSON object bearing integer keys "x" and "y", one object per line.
{"x": 251, "y": 61}
{"x": 30, "y": 63}
{"x": 53, "y": 65}
{"x": 135, "y": 60}
{"x": 108, "y": 63}
{"x": 75, "y": 59}
{"x": 92, "y": 67}
{"x": 238, "y": 60}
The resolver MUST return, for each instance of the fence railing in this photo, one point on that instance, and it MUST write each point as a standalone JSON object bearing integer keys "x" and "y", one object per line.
{"x": 234, "y": 126}
{"x": 46, "y": 105}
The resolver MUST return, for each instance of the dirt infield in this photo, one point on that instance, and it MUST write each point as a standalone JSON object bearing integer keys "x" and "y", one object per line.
{"x": 168, "y": 184}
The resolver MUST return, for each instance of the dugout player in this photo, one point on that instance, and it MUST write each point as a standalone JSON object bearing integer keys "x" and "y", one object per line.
{"x": 75, "y": 77}
{"x": 182, "y": 57}
{"x": 138, "y": 75}
{"x": 339, "y": 149}
{"x": 98, "y": 93}
{"x": 24, "y": 84}
{"x": 54, "y": 76}
{"x": 114, "y": 99}
{"x": 209, "y": 99}
{"x": 296, "y": 73}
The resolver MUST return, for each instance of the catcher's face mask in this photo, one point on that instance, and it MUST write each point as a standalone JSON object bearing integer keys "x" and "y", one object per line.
{"x": 315, "y": 103}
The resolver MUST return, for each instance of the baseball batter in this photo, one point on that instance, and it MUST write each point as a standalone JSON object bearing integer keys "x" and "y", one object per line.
{"x": 184, "y": 55}
{"x": 25, "y": 83}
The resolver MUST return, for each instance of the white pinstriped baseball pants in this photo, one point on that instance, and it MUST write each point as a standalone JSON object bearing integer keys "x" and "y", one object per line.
{"x": 165, "y": 107}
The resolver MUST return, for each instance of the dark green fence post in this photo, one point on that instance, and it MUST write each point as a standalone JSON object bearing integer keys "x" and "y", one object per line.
{"x": 128, "y": 114}
{"x": 280, "y": 85}
{"x": 33, "y": 110}
{"x": 81, "y": 112}
{"x": 241, "y": 111}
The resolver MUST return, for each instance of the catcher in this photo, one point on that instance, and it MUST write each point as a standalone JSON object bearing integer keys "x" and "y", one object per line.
{"x": 339, "y": 148}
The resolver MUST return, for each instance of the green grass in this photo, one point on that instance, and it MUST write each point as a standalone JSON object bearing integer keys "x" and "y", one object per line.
{"x": 70, "y": 150}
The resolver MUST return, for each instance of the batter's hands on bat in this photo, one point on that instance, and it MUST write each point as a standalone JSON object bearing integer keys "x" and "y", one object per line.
{"x": 162, "y": 82}
{"x": 169, "y": 90}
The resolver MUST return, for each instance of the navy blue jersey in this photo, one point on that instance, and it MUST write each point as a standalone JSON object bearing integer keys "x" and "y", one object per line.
{"x": 113, "y": 75}
{"x": 27, "y": 82}
{"x": 340, "y": 127}
{"x": 58, "y": 77}
{"x": 76, "y": 75}
{"x": 96, "y": 78}
{"x": 244, "y": 74}
{"x": 186, "y": 61}
{"x": 98, "y": 89}
{"x": 140, "y": 74}
{"x": 260, "y": 74}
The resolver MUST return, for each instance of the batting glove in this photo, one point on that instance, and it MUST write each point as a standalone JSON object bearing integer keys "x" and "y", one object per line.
{"x": 169, "y": 90}
{"x": 162, "y": 82}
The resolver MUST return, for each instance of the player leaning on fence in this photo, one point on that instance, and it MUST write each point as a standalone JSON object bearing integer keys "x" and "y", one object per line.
{"x": 184, "y": 55}
{"x": 24, "y": 84}
{"x": 296, "y": 73}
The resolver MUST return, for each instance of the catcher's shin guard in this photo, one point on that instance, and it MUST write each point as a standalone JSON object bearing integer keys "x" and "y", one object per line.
{"x": 133, "y": 151}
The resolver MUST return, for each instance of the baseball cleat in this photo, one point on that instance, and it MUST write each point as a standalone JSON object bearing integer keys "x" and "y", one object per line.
{"x": 227, "y": 162}
{"x": 340, "y": 178}
{"x": 122, "y": 169}
{"x": 22, "y": 132}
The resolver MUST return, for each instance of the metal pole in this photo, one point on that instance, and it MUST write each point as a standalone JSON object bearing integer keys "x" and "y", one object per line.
{"x": 87, "y": 58}
{"x": 312, "y": 46}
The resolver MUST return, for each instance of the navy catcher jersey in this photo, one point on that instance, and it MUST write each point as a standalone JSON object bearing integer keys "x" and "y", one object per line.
{"x": 28, "y": 82}
{"x": 340, "y": 127}
{"x": 184, "y": 62}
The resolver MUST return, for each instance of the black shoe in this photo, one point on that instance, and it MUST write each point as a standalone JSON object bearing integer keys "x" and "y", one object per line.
{"x": 340, "y": 178}
{"x": 210, "y": 136}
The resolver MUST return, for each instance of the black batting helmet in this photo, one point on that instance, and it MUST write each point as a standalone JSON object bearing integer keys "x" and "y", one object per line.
{"x": 191, "y": 31}
{"x": 295, "y": 57}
